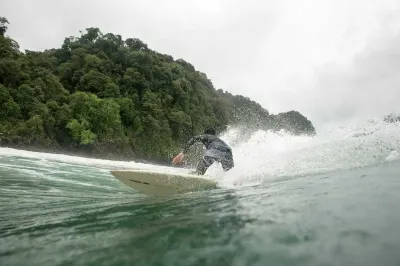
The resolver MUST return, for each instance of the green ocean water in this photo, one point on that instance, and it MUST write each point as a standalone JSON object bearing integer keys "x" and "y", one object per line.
{"x": 61, "y": 210}
{"x": 53, "y": 213}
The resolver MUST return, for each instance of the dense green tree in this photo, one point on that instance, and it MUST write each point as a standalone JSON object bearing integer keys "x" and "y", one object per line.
{"x": 106, "y": 95}
{"x": 3, "y": 26}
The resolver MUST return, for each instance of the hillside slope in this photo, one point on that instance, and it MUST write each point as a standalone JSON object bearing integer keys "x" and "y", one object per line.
{"x": 108, "y": 97}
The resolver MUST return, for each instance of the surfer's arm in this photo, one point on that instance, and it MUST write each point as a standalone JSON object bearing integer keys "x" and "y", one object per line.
{"x": 179, "y": 158}
{"x": 192, "y": 141}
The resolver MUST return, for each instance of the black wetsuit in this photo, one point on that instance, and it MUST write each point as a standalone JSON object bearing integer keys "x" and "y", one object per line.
{"x": 216, "y": 151}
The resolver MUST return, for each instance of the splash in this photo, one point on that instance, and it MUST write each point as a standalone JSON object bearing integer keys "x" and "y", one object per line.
{"x": 265, "y": 155}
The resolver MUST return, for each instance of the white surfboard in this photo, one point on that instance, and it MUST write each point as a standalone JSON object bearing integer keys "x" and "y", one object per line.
{"x": 162, "y": 183}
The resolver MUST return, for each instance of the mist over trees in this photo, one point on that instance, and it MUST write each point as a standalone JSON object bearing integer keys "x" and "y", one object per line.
{"x": 111, "y": 97}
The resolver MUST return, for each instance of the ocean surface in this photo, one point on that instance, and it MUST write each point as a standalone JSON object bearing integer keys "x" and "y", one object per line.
{"x": 332, "y": 199}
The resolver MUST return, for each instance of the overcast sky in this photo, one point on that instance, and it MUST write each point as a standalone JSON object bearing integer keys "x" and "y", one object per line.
{"x": 332, "y": 60}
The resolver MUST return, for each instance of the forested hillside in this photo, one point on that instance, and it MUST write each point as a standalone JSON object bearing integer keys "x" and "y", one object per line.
{"x": 110, "y": 97}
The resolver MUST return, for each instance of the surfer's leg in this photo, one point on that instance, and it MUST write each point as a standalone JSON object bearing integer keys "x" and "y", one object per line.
{"x": 203, "y": 165}
{"x": 227, "y": 163}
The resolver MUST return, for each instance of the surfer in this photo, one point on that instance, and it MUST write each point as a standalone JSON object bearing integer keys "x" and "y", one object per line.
{"x": 216, "y": 151}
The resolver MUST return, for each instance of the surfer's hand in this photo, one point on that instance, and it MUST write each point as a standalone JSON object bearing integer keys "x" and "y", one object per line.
{"x": 178, "y": 158}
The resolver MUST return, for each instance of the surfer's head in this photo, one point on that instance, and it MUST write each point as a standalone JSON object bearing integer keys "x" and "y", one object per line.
{"x": 210, "y": 131}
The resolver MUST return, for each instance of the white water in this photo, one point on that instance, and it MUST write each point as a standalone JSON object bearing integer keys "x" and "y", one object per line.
{"x": 266, "y": 156}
